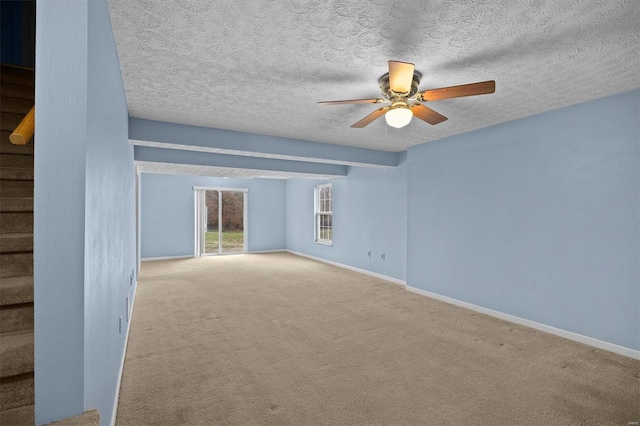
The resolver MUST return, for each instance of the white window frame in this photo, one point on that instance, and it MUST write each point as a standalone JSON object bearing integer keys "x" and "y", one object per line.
{"x": 318, "y": 212}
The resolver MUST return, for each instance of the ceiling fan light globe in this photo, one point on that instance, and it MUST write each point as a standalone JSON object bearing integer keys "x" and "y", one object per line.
{"x": 398, "y": 117}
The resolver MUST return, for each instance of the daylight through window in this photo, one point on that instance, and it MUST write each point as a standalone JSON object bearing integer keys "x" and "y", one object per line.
{"x": 324, "y": 230}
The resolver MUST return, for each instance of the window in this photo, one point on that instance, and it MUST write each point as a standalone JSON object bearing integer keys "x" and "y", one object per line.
{"x": 324, "y": 230}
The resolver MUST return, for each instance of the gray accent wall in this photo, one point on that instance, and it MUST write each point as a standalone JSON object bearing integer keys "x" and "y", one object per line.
{"x": 537, "y": 218}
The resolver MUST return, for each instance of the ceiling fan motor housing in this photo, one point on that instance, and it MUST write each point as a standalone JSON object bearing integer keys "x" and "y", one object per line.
{"x": 389, "y": 94}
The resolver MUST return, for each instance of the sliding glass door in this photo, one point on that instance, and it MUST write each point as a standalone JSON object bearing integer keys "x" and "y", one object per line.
{"x": 220, "y": 221}
{"x": 212, "y": 217}
{"x": 232, "y": 223}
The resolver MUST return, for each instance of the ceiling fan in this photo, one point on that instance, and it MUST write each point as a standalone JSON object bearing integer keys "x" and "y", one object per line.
{"x": 400, "y": 87}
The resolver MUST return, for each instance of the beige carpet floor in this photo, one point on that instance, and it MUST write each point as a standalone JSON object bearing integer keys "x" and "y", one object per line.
{"x": 277, "y": 339}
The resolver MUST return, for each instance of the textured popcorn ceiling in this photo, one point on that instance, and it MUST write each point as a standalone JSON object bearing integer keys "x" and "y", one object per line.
{"x": 261, "y": 66}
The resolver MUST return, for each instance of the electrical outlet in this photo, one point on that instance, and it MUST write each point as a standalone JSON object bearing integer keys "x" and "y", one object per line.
{"x": 369, "y": 253}
{"x": 382, "y": 256}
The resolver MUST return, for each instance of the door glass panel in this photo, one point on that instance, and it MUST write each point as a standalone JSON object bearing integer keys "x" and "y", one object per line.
{"x": 211, "y": 241}
{"x": 232, "y": 222}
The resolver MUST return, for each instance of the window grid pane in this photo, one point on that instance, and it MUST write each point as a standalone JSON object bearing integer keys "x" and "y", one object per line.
{"x": 325, "y": 226}
{"x": 324, "y": 231}
{"x": 324, "y": 200}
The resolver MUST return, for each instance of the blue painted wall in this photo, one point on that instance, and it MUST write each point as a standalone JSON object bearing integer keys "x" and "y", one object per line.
{"x": 84, "y": 238}
{"x": 167, "y": 213}
{"x": 59, "y": 205}
{"x": 369, "y": 213}
{"x": 110, "y": 248}
{"x": 537, "y": 218}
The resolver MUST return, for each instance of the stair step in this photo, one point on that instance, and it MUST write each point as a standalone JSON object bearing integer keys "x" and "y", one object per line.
{"x": 16, "y": 222}
{"x": 14, "y": 290}
{"x": 16, "y": 353}
{"x": 14, "y": 243}
{"x": 16, "y": 160}
{"x": 16, "y": 391}
{"x": 16, "y": 173}
{"x": 10, "y": 120}
{"x": 16, "y": 204}
{"x": 17, "y": 191}
{"x": 16, "y": 264}
{"x": 7, "y": 147}
{"x": 16, "y": 188}
{"x": 16, "y": 75}
{"x": 20, "y": 416}
{"x": 17, "y": 91}
{"x": 16, "y": 105}
{"x": 16, "y": 317}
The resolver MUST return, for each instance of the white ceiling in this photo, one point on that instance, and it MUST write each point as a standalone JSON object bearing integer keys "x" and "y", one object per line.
{"x": 261, "y": 66}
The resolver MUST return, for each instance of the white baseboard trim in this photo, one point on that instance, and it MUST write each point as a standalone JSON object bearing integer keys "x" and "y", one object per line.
{"x": 611, "y": 347}
{"x": 267, "y": 251}
{"x": 114, "y": 413}
{"x": 351, "y": 268}
{"x": 150, "y": 259}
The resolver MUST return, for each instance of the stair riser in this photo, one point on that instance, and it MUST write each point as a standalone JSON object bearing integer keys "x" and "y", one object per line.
{"x": 6, "y": 147}
{"x": 13, "y": 160}
{"x": 16, "y": 205}
{"x": 17, "y": 362}
{"x": 16, "y": 264}
{"x": 16, "y": 244}
{"x": 16, "y": 392}
{"x": 16, "y": 222}
{"x": 9, "y": 148}
{"x": 16, "y": 188}
{"x": 17, "y": 184}
{"x": 10, "y": 120}
{"x": 16, "y": 290}
{"x": 17, "y": 91}
{"x": 20, "y": 416}
{"x": 16, "y": 105}
{"x": 16, "y": 75}
{"x": 14, "y": 173}
{"x": 16, "y": 192}
{"x": 16, "y": 318}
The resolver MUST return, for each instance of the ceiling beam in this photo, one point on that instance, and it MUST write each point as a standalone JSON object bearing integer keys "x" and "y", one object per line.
{"x": 193, "y": 138}
{"x": 196, "y": 158}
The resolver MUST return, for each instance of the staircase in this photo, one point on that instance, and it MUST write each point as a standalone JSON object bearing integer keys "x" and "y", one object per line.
{"x": 16, "y": 252}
